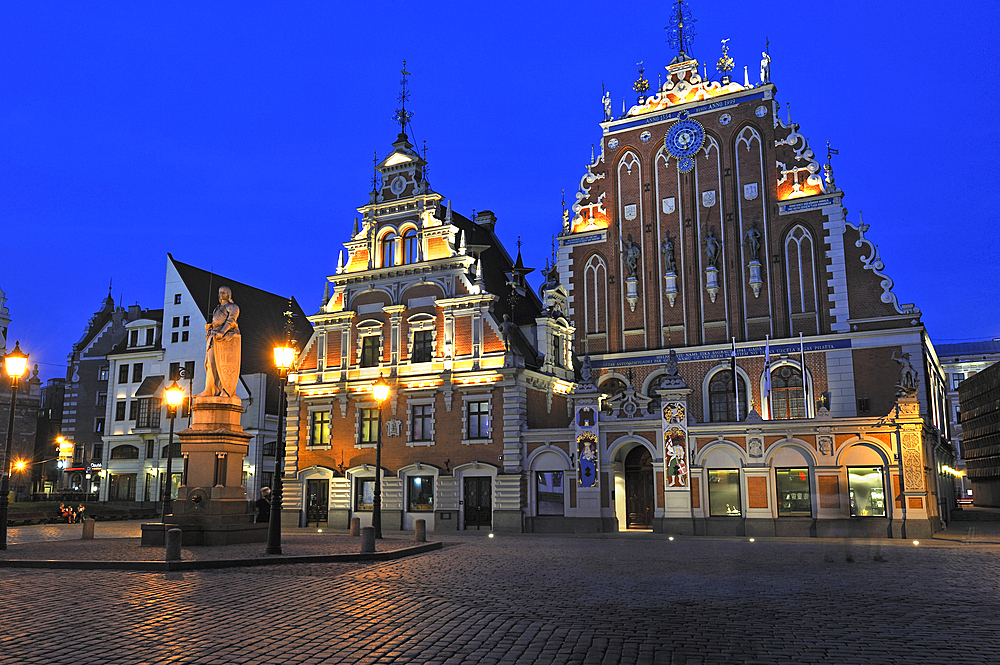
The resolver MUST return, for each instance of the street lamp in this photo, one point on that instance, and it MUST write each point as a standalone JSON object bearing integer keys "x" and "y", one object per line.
{"x": 15, "y": 364}
{"x": 174, "y": 396}
{"x": 380, "y": 390}
{"x": 283, "y": 358}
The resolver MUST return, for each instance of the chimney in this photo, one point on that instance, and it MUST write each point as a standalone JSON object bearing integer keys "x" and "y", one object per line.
{"x": 133, "y": 312}
{"x": 486, "y": 218}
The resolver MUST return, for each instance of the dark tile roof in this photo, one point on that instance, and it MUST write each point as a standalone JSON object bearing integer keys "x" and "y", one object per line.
{"x": 262, "y": 320}
{"x": 123, "y": 347}
{"x": 982, "y": 347}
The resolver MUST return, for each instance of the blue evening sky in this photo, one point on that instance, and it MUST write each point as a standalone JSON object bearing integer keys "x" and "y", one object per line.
{"x": 240, "y": 136}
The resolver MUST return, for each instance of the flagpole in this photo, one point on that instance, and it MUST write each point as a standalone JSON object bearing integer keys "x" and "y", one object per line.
{"x": 802, "y": 361}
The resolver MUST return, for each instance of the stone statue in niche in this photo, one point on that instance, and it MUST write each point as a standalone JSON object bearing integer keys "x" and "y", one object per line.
{"x": 752, "y": 241}
{"x": 907, "y": 376}
{"x": 712, "y": 247}
{"x": 630, "y": 254}
{"x": 667, "y": 250}
{"x": 222, "y": 348}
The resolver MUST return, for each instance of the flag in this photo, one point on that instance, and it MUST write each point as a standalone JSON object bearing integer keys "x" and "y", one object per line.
{"x": 736, "y": 381}
{"x": 767, "y": 373}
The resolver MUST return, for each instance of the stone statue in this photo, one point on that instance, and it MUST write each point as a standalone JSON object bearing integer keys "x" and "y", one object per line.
{"x": 222, "y": 348}
{"x": 765, "y": 67}
{"x": 667, "y": 250}
{"x": 752, "y": 240}
{"x": 630, "y": 253}
{"x": 606, "y": 99}
{"x": 506, "y": 328}
{"x": 671, "y": 366}
{"x": 712, "y": 247}
{"x": 586, "y": 371}
{"x": 907, "y": 376}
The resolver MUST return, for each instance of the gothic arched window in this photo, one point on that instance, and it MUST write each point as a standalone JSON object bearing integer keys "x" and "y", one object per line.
{"x": 722, "y": 397}
{"x": 800, "y": 270}
{"x": 595, "y": 296}
{"x": 387, "y": 250}
{"x": 411, "y": 251}
{"x": 788, "y": 398}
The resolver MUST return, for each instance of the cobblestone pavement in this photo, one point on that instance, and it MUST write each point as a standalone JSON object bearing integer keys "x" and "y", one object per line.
{"x": 530, "y": 599}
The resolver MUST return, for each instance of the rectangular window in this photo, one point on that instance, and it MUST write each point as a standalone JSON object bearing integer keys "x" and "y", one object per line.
{"x": 98, "y": 452}
{"x": 102, "y": 374}
{"x": 369, "y": 351}
{"x": 133, "y": 338}
{"x": 123, "y": 373}
{"x": 184, "y": 336}
{"x": 175, "y": 371}
{"x": 102, "y": 399}
{"x": 150, "y": 333}
{"x": 120, "y": 410}
{"x": 98, "y": 425}
{"x": 133, "y": 409}
{"x": 173, "y": 337}
{"x": 174, "y": 450}
{"x": 364, "y": 494}
{"x": 549, "y": 492}
{"x": 863, "y": 405}
{"x": 177, "y": 299}
{"x": 187, "y": 321}
{"x": 78, "y": 455}
{"x": 793, "y": 492}
{"x": 478, "y": 419}
{"x": 420, "y": 425}
{"x": 150, "y": 449}
{"x": 420, "y": 494}
{"x": 724, "y": 492}
{"x": 956, "y": 379}
{"x": 121, "y": 487}
{"x": 320, "y": 428}
{"x": 137, "y": 373}
{"x": 148, "y": 414}
{"x": 368, "y": 430}
{"x": 867, "y": 491}
{"x": 423, "y": 346}
{"x": 176, "y": 322}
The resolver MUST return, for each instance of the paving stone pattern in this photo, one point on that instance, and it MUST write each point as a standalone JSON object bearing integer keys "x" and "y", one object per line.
{"x": 530, "y": 599}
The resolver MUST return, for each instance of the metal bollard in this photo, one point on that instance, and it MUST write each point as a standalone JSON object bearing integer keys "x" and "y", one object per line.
{"x": 368, "y": 539}
{"x": 420, "y": 531}
{"x": 173, "y": 545}
{"x": 355, "y": 526}
{"x": 88, "y": 528}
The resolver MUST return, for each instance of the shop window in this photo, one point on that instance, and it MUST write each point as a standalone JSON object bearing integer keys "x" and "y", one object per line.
{"x": 724, "y": 493}
{"x": 788, "y": 398}
{"x": 549, "y": 493}
{"x": 319, "y": 429}
{"x": 423, "y": 346}
{"x": 478, "y": 419}
{"x": 364, "y": 494}
{"x": 369, "y": 351}
{"x": 420, "y": 494}
{"x": 793, "y": 492}
{"x": 722, "y": 400}
{"x": 121, "y": 486}
{"x": 867, "y": 491}
{"x": 421, "y": 422}
{"x": 411, "y": 245}
{"x": 368, "y": 431}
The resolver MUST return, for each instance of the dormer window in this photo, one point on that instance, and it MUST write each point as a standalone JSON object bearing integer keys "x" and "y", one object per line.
{"x": 411, "y": 246}
{"x": 149, "y": 336}
{"x": 133, "y": 338}
{"x": 387, "y": 250}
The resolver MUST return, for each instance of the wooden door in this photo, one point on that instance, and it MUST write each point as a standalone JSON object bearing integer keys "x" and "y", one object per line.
{"x": 478, "y": 502}
{"x": 639, "y": 489}
{"x": 317, "y": 500}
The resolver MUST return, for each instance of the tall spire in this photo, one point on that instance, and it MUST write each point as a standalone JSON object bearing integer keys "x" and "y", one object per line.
{"x": 403, "y": 116}
{"x": 680, "y": 30}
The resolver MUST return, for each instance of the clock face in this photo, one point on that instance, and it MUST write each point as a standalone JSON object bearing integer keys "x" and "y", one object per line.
{"x": 398, "y": 185}
{"x": 685, "y": 164}
{"x": 761, "y": 111}
{"x": 725, "y": 119}
{"x": 685, "y": 138}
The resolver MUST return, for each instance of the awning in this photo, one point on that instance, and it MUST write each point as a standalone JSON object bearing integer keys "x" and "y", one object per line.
{"x": 149, "y": 386}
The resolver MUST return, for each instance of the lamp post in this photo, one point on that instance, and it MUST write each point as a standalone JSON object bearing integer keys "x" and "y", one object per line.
{"x": 380, "y": 390}
{"x": 283, "y": 358}
{"x": 15, "y": 363}
{"x": 174, "y": 396}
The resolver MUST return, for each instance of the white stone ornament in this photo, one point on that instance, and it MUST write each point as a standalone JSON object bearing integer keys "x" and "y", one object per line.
{"x": 398, "y": 185}
{"x": 708, "y": 198}
{"x": 630, "y": 211}
{"x": 750, "y": 191}
{"x": 669, "y": 204}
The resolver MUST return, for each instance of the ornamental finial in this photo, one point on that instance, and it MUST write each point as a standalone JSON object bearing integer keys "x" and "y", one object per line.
{"x": 725, "y": 64}
{"x": 402, "y": 116}
{"x": 680, "y": 30}
{"x": 641, "y": 85}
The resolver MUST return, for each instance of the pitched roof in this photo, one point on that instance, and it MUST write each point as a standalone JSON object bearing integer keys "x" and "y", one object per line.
{"x": 982, "y": 347}
{"x": 261, "y": 321}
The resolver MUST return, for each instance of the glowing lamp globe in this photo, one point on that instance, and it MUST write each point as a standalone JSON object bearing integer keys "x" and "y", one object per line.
{"x": 380, "y": 390}
{"x": 15, "y": 363}
{"x": 174, "y": 395}
{"x": 283, "y": 358}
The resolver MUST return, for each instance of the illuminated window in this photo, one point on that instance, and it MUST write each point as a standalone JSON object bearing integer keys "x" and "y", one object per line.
{"x": 722, "y": 400}
{"x": 724, "y": 493}
{"x": 867, "y": 491}
{"x": 411, "y": 246}
{"x": 549, "y": 492}
{"x": 423, "y": 346}
{"x": 787, "y": 396}
{"x": 369, "y": 351}
{"x": 793, "y": 492}
{"x": 478, "y": 419}
{"x": 421, "y": 423}
{"x": 364, "y": 494}
{"x": 387, "y": 250}
{"x": 319, "y": 429}
{"x": 420, "y": 494}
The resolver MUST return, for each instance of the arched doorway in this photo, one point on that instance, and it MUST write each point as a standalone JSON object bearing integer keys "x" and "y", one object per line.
{"x": 639, "y": 489}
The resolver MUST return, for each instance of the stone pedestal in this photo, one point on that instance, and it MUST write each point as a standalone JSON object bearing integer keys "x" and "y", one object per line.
{"x": 211, "y": 504}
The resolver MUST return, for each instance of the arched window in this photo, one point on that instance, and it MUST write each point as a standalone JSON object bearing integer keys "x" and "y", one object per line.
{"x": 387, "y": 250}
{"x": 801, "y": 273}
{"x": 411, "y": 251}
{"x": 595, "y": 297}
{"x": 787, "y": 395}
{"x": 124, "y": 452}
{"x": 722, "y": 400}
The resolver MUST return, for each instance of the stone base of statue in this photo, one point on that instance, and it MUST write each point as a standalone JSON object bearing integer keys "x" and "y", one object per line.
{"x": 211, "y": 506}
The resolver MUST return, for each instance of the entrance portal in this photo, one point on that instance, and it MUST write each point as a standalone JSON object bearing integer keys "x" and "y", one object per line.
{"x": 639, "y": 489}
{"x": 478, "y": 502}
{"x": 318, "y": 498}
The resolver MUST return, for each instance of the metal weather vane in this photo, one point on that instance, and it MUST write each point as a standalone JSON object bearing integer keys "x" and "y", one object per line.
{"x": 402, "y": 116}
{"x": 680, "y": 29}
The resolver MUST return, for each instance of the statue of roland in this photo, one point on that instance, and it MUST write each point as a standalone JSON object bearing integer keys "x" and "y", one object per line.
{"x": 222, "y": 348}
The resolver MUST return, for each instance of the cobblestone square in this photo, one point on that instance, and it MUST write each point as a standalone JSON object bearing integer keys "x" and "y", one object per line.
{"x": 635, "y": 598}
